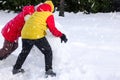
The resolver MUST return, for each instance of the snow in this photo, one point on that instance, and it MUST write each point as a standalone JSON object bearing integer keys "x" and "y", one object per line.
{"x": 91, "y": 53}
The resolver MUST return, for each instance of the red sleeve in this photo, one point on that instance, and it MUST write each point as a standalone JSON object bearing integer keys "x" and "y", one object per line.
{"x": 51, "y": 25}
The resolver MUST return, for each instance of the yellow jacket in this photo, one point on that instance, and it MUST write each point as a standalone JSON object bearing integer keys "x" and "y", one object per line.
{"x": 36, "y": 26}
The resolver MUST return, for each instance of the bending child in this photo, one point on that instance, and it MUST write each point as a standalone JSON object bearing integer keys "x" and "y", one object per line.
{"x": 12, "y": 31}
{"x": 34, "y": 32}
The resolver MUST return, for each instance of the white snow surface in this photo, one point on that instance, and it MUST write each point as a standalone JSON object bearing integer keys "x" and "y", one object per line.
{"x": 91, "y": 53}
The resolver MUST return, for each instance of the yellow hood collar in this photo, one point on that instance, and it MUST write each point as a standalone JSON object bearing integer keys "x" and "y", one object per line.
{"x": 49, "y": 2}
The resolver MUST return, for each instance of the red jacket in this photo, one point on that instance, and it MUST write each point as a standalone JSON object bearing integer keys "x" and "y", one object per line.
{"x": 51, "y": 25}
{"x": 12, "y": 30}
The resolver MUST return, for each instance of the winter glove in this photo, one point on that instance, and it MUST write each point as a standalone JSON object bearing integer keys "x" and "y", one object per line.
{"x": 63, "y": 38}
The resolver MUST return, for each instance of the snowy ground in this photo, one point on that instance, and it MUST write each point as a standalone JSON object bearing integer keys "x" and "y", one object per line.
{"x": 92, "y": 52}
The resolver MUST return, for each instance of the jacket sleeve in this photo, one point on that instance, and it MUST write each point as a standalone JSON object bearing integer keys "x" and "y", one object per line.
{"x": 51, "y": 25}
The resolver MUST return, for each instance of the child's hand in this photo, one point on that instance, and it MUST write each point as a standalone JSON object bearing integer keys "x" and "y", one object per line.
{"x": 63, "y": 38}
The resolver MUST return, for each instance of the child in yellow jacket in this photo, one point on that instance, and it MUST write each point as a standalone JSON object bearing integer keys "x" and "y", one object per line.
{"x": 33, "y": 33}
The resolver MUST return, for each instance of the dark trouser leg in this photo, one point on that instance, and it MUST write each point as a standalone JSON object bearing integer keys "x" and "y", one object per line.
{"x": 26, "y": 47}
{"x": 45, "y": 48}
{"x": 15, "y": 46}
{"x": 8, "y": 48}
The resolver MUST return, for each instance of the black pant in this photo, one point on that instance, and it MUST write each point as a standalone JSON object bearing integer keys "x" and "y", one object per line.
{"x": 42, "y": 44}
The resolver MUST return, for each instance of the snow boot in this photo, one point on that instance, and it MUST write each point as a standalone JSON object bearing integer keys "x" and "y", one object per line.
{"x": 15, "y": 71}
{"x": 50, "y": 73}
{"x": 4, "y": 57}
{"x": 1, "y": 58}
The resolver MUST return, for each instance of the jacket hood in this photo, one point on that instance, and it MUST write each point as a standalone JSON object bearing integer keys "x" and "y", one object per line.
{"x": 46, "y": 6}
{"x": 51, "y": 5}
{"x": 28, "y": 9}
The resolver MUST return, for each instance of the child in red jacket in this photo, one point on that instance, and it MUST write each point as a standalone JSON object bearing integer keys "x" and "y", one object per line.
{"x": 12, "y": 31}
